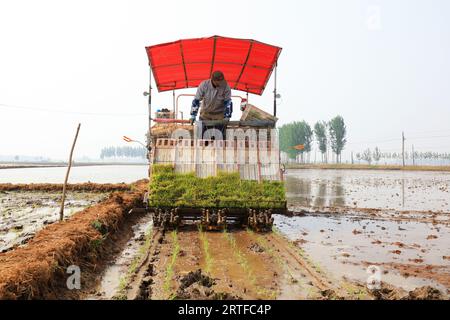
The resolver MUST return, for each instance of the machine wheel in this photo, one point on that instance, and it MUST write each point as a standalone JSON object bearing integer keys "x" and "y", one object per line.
{"x": 261, "y": 220}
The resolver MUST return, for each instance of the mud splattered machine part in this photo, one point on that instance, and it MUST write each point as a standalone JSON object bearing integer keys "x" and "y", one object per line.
{"x": 216, "y": 218}
{"x": 248, "y": 66}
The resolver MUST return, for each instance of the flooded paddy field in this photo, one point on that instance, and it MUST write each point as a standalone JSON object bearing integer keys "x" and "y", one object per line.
{"x": 349, "y": 220}
{"x": 372, "y": 189}
{"x": 346, "y": 224}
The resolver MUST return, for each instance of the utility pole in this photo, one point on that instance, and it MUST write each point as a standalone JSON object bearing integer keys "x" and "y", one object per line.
{"x": 352, "y": 158}
{"x": 403, "y": 147}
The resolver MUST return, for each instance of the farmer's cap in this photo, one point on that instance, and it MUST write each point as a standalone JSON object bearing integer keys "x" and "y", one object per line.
{"x": 218, "y": 76}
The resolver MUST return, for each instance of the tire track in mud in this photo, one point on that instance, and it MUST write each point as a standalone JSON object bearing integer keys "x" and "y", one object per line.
{"x": 159, "y": 285}
{"x": 258, "y": 275}
{"x": 293, "y": 285}
{"x": 139, "y": 288}
{"x": 172, "y": 255}
{"x": 273, "y": 270}
{"x": 318, "y": 280}
{"x": 237, "y": 271}
{"x": 327, "y": 289}
{"x": 207, "y": 251}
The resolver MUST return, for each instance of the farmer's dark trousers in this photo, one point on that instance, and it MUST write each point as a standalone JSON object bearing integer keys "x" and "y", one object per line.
{"x": 222, "y": 128}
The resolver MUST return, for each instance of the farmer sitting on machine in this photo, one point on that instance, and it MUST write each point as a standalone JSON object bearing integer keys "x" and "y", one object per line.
{"x": 214, "y": 98}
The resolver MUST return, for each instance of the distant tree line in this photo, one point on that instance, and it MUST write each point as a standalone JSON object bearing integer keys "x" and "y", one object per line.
{"x": 376, "y": 155}
{"x": 123, "y": 152}
{"x": 328, "y": 135}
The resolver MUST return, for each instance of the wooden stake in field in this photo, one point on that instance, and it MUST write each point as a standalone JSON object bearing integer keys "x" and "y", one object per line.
{"x": 61, "y": 211}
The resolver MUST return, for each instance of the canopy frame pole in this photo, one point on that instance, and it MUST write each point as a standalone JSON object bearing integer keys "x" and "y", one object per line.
{"x": 175, "y": 109}
{"x": 149, "y": 136}
{"x": 213, "y": 60}
{"x": 245, "y": 64}
{"x": 275, "y": 92}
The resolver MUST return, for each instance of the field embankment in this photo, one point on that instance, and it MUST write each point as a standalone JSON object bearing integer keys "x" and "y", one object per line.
{"x": 49, "y": 187}
{"x": 38, "y": 269}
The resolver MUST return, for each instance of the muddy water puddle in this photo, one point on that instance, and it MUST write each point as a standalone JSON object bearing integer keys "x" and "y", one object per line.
{"x": 22, "y": 214}
{"x": 400, "y": 190}
{"x": 408, "y": 254}
{"x": 114, "y": 278}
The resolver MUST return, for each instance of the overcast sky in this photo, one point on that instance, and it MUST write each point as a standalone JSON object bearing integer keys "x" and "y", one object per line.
{"x": 382, "y": 64}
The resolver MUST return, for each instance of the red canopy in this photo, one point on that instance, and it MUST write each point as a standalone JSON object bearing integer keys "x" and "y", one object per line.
{"x": 247, "y": 64}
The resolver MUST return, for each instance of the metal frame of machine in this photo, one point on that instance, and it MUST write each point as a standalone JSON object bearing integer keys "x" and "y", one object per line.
{"x": 248, "y": 65}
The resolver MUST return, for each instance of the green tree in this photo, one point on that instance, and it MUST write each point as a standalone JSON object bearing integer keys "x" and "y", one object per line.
{"x": 294, "y": 134}
{"x": 320, "y": 130}
{"x": 338, "y": 132}
{"x": 306, "y": 138}
{"x": 367, "y": 156}
{"x": 376, "y": 155}
{"x": 358, "y": 156}
{"x": 125, "y": 151}
{"x": 287, "y": 140}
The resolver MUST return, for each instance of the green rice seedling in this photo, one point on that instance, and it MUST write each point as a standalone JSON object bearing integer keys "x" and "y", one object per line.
{"x": 207, "y": 253}
{"x": 243, "y": 262}
{"x": 171, "y": 264}
{"x": 169, "y": 189}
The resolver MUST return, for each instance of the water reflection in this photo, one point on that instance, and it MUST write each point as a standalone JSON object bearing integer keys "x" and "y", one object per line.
{"x": 337, "y": 197}
{"x": 428, "y": 191}
{"x": 319, "y": 200}
{"x": 300, "y": 190}
{"x": 318, "y": 193}
{"x": 403, "y": 193}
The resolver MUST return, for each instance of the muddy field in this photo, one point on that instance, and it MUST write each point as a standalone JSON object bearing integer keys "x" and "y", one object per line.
{"x": 192, "y": 264}
{"x": 347, "y": 224}
{"x": 342, "y": 235}
{"x": 23, "y": 213}
{"x": 237, "y": 264}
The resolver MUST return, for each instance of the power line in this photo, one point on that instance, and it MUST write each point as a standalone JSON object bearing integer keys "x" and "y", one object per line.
{"x": 73, "y": 112}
